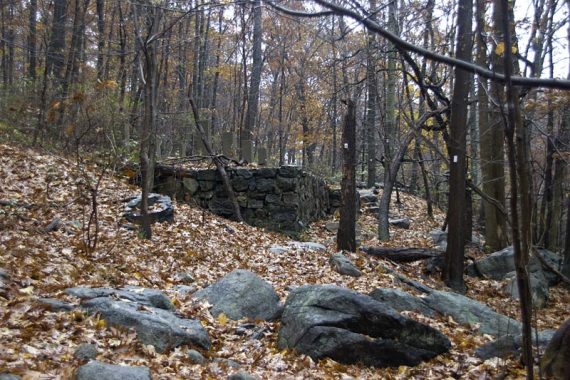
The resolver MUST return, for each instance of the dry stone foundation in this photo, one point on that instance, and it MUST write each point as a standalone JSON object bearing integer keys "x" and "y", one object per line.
{"x": 283, "y": 199}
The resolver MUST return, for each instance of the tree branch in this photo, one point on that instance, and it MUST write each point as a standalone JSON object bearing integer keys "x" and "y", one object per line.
{"x": 402, "y": 44}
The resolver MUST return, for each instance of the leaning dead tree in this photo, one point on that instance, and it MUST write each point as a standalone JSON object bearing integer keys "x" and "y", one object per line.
{"x": 220, "y": 165}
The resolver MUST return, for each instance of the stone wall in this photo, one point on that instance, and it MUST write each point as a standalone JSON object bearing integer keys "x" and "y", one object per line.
{"x": 284, "y": 199}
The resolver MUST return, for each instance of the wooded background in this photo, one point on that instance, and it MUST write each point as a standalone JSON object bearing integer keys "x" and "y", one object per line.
{"x": 115, "y": 75}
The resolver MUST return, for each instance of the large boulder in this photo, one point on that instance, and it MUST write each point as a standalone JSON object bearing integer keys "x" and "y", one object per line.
{"x": 467, "y": 311}
{"x": 240, "y": 294}
{"x": 157, "y": 327}
{"x": 497, "y": 265}
{"x": 342, "y": 264}
{"x": 400, "y": 223}
{"x": 510, "y": 345}
{"x": 402, "y": 301}
{"x": 349, "y": 327}
{"x": 143, "y": 296}
{"x": 538, "y": 288}
{"x": 556, "y": 359}
{"x": 553, "y": 260}
{"x": 95, "y": 370}
{"x": 148, "y": 311}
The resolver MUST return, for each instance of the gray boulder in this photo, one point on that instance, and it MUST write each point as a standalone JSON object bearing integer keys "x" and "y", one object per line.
{"x": 308, "y": 246}
{"x": 4, "y": 277}
{"x": 240, "y": 294}
{"x": 9, "y": 376}
{"x": 400, "y": 223}
{"x": 95, "y": 370}
{"x": 342, "y": 264}
{"x": 554, "y": 260}
{"x": 402, "y": 301}
{"x": 55, "y": 305}
{"x": 278, "y": 249}
{"x": 195, "y": 357}
{"x": 438, "y": 236}
{"x": 498, "y": 264}
{"x": 510, "y": 345}
{"x": 85, "y": 352}
{"x": 241, "y": 375}
{"x": 555, "y": 362}
{"x": 349, "y": 327}
{"x": 185, "y": 289}
{"x": 467, "y": 311}
{"x": 154, "y": 326}
{"x": 538, "y": 288}
{"x": 367, "y": 196}
{"x": 184, "y": 278}
{"x": 143, "y": 296}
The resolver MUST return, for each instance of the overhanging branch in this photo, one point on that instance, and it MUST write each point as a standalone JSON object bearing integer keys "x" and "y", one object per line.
{"x": 402, "y": 44}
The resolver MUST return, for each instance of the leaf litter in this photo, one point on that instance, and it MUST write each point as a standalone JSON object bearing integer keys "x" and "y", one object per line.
{"x": 38, "y": 343}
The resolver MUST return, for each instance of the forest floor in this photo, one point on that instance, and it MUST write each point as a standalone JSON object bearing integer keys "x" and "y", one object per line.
{"x": 36, "y": 342}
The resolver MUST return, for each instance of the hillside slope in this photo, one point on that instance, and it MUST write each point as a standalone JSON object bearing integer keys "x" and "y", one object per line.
{"x": 34, "y": 341}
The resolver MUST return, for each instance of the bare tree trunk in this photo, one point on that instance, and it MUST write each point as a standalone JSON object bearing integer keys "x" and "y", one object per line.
{"x": 566, "y": 262}
{"x": 519, "y": 171}
{"x": 346, "y": 236}
{"x": 255, "y": 80}
{"x": 153, "y": 15}
{"x": 55, "y": 59}
{"x": 491, "y": 146}
{"x": 32, "y": 39}
{"x": 100, "y": 7}
{"x": 452, "y": 273}
{"x": 334, "y": 100}
{"x": 371, "y": 106}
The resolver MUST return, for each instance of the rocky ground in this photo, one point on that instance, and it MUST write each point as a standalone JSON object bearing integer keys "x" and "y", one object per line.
{"x": 51, "y": 240}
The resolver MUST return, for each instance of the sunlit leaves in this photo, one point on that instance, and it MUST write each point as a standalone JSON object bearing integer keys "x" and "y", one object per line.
{"x": 500, "y": 49}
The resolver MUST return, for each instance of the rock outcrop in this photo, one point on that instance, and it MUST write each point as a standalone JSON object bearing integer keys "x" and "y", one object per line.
{"x": 328, "y": 321}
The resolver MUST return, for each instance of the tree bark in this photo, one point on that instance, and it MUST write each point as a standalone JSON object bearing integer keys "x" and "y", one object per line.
{"x": 491, "y": 147}
{"x": 371, "y": 106}
{"x": 457, "y": 147}
{"x": 346, "y": 236}
{"x": 55, "y": 59}
{"x": 519, "y": 170}
{"x": 32, "y": 39}
{"x": 100, "y": 7}
{"x": 255, "y": 80}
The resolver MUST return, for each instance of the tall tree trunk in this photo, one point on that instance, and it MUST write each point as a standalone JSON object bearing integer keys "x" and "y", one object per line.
{"x": 491, "y": 139}
{"x": 389, "y": 126}
{"x": 566, "y": 259}
{"x": 519, "y": 172}
{"x": 371, "y": 106}
{"x": 153, "y": 15}
{"x": 32, "y": 37}
{"x": 561, "y": 194}
{"x": 457, "y": 147}
{"x": 55, "y": 58}
{"x": 346, "y": 235}
{"x": 334, "y": 100}
{"x": 100, "y": 7}
{"x": 255, "y": 80}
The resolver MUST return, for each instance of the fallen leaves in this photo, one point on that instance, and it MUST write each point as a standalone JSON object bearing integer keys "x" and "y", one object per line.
{"x": 37, "y": 342}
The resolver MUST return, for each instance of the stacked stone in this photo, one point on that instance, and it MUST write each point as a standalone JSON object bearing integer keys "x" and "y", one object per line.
{"x": 284, "y": 199}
